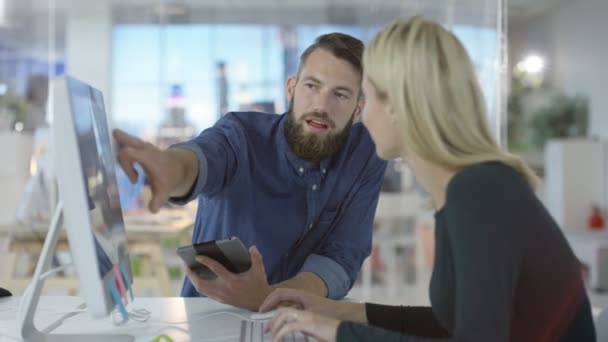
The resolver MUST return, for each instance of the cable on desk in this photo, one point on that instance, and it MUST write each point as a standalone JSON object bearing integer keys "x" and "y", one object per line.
{"x": 138, "y": 315}
{"x": 205, "y": 316}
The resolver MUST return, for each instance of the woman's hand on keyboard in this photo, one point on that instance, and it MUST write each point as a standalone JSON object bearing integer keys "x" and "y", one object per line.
{"x": 289, "y": 320}
{"x": 317, "y": 304}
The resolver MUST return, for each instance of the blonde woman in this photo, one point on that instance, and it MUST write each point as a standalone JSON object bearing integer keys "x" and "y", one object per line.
{"x": 503, "y": 270}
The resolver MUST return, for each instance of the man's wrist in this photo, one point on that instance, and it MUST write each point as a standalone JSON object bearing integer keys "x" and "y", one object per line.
{"x": 354, "y": 312}
{"x": 305, "y": 281}
{"x": 187, "y": 165}
{"x": 262, "y": 295}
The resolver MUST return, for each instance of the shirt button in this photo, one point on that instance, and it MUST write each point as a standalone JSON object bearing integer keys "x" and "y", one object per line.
{"x": 301, "y": 170}
{"x": 314, "y": 187}
{"x": 324, "y": 171}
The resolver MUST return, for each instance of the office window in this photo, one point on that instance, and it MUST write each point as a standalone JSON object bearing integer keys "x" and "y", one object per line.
{"x": 199, "y": 72}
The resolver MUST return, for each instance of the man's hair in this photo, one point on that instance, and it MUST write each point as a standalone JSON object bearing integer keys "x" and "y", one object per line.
{"x": 342, "y": 46}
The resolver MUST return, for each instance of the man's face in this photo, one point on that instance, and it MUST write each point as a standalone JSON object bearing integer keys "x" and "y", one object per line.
{"x": 323, "y": 103}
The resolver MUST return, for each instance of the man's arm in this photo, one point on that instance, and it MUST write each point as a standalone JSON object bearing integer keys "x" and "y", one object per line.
{"x": 341, "y": 310}
{"x": 188, "y": 162}
{"x": 249, "y": 289}
{"x": 210, "y": 159}
{"x": 305, "y": 281}
{"x": 331, "y": 272}
{"x": 170, "y": 172}
{"x": 181, "y": 172}
{"x": 339, "y": 260}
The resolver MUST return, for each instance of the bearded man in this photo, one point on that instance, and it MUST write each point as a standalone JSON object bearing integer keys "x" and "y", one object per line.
{"x": 301, "y": 188}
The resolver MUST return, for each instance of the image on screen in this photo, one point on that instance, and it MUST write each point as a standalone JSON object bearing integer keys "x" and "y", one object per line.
{"x": 97, "y": 162}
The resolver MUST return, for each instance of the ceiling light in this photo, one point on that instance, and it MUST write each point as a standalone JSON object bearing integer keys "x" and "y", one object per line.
{"x": 533, "y": 64}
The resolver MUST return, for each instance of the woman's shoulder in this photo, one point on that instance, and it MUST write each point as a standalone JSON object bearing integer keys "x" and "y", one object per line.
{"x": 486, "y": 201}
{"x": 491, "y": 175}
{"x": 487, "y": 185}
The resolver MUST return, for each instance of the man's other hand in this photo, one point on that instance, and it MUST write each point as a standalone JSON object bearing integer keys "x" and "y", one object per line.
{"x": 246, "y": 290}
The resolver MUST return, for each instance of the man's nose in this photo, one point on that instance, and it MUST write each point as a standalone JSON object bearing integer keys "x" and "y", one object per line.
{"x": 322, "y": 103}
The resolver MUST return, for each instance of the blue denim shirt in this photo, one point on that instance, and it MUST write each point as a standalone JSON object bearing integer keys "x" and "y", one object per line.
{"x": 302, "y": 217}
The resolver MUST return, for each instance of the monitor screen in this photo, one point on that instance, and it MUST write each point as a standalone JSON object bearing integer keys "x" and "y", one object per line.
{"x": 98, "y": 168}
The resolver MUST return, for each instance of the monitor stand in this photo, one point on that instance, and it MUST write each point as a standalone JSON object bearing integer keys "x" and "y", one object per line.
{"x": 29, "y": 302}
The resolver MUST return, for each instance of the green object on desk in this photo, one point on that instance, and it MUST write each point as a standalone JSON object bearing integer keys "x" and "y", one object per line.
{"x": 162, "y": 337}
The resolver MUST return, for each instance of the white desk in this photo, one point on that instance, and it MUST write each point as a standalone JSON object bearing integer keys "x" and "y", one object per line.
{"x": 182, "y": 319}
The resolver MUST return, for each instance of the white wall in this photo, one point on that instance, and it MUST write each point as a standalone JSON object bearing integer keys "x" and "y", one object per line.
{"x": 573, "y": 37}
{"x": 575, "y": 181}
{"x": 581, "y": 48}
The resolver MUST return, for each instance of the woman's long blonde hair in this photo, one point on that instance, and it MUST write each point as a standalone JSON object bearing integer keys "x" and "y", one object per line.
{"x": 431, "y": 84}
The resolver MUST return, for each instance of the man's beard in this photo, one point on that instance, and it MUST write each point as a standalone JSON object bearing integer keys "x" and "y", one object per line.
{"x": 309, "y": 146}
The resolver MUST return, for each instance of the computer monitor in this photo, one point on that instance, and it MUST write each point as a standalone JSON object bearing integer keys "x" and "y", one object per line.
{"x": 89, "y": 191}
{"x": 84, "y": 165}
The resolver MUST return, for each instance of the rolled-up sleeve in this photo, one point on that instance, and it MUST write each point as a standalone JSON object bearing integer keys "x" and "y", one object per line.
{"x": 333, "y": 274}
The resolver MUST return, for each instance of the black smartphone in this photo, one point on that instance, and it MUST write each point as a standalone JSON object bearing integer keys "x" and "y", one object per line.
{"x": 231, "y": 253}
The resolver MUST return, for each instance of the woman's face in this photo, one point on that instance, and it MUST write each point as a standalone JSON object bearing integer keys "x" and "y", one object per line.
{"x": 381, "y": 123}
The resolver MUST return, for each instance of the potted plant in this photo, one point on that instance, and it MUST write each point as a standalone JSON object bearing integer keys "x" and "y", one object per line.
{"x": 13, "y": 109}
{"x": 563, "y": 117}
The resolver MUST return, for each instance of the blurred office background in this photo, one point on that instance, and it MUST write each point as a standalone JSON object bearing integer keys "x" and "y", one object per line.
{"x": 169, "y": 69}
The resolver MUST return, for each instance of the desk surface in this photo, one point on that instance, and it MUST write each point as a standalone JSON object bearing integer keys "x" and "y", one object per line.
{"x": 182, "y": 319}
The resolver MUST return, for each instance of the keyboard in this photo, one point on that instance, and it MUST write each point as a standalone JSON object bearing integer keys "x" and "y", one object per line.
{"x": 252, "y": 331}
